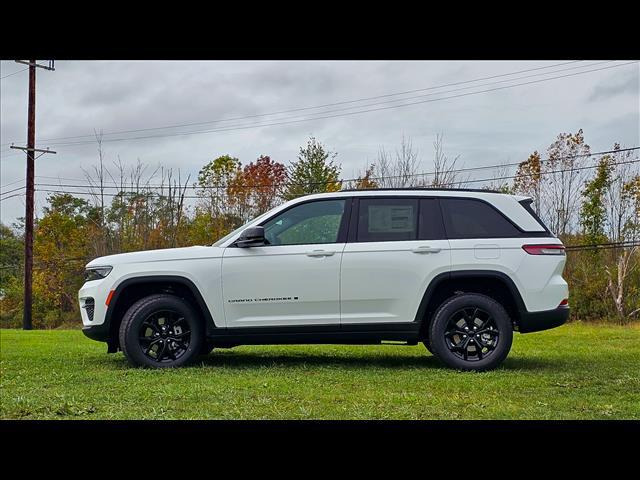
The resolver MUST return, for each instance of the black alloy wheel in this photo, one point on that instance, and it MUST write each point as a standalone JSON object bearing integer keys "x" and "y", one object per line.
{"x": 472, "y": 334}
{"x": 164, "y": 336}
{"x": 471, "y": 331}
{"x": 161, "y": 331}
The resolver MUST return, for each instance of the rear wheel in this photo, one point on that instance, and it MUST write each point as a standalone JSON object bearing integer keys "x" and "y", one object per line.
{"x": 471, "y": 332}
{"x": 161, "y": 331}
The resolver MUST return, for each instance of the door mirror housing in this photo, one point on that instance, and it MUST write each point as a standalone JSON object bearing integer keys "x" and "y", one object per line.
{"x": 251, "y": 237}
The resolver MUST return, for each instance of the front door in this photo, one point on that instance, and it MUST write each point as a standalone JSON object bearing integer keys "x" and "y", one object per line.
{"x": 294, "y": 280}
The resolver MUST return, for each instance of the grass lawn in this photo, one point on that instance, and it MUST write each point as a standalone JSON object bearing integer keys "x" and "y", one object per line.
{"x": 572, "y": 372}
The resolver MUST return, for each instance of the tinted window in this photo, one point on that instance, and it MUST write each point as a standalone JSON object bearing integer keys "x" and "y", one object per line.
{"x": 313, "y": 222}
{"x": 430, "y": 224}
{"x": 387, "y": 220}
{"x": 467, "y": 218}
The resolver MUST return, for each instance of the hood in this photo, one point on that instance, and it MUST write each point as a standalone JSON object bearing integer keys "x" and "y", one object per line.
{"x": 165, "y": 254}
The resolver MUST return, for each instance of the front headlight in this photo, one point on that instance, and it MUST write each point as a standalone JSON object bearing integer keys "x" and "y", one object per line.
{"x": 96, "y": 273}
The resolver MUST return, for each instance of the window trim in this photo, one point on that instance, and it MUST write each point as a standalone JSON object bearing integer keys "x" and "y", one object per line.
{"x": 342, "y": 229}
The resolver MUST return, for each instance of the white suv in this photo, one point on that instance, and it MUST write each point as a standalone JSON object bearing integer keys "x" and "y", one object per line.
{"x": 458, "y": 270}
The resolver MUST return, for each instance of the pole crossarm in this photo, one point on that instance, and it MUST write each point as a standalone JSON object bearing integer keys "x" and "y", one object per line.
{"x": 37, "y": 65}
{"x": 35, "y": 150}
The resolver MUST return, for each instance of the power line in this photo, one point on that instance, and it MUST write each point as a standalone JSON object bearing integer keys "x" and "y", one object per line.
{"x": 12, "y": 196}
{"x": 13, "y": 190}
{"x": 11, "y": 183}
{"x": 344, "y": 114}
{"x": 298, "y": 109}
{"x": 507, "y": 177}
{"x": 422, "y": 174}
{"x": 624, "y": 244}
{"x": 148, "y": 193}
{"x": 569, "y": 248}
{"x": 14, "y": 73}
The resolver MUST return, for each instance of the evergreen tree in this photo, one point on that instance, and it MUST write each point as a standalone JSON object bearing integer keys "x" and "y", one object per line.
{"x": 314, "y": 172}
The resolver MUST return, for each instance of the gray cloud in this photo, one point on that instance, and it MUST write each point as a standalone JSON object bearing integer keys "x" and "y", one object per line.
{"x": 625, "y": 83}
{"x": 489, "y": 128}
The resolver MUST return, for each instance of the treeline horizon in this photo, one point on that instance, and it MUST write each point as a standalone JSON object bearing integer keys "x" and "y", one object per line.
{"x": 133, "y": 208}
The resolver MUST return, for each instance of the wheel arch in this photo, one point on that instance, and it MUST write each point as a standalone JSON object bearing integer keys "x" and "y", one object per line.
{"x": 133, "y": 289}
{"x": 494, "y": 284}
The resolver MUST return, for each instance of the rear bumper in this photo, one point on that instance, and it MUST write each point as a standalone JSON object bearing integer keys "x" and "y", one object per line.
{"x": 537, "y": 321}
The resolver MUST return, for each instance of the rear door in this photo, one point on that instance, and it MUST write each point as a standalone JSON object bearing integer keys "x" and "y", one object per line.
{"x": 396, "y": 247}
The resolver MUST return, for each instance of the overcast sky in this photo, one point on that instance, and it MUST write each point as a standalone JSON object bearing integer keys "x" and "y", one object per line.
{"x": 486, "y": 128}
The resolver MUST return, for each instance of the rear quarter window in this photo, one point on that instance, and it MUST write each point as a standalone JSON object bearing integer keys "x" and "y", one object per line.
{"x": 471, "y": 218}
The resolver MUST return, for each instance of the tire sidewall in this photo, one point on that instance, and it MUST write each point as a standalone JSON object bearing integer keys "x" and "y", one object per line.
{"x": 141, "y": 310}
{"x": 438, "y": 326}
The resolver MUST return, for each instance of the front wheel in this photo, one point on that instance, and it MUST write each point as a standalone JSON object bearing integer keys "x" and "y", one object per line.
{"x": 471, "y": 332}
{"x": 161, "y": 331}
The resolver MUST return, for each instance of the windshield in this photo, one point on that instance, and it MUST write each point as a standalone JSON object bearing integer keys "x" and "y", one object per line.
{"x": 238, "y": 230}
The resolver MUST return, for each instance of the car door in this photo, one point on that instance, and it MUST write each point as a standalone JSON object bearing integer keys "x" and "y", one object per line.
{"x": 396, "y": 247}
{"x": 294, "y": 280}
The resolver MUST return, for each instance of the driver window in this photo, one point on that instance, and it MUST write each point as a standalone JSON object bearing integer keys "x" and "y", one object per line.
{"x": 309, "y": 223}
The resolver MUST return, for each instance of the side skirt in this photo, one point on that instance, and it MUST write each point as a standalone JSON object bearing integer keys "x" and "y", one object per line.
{"x": 362, "y": 334}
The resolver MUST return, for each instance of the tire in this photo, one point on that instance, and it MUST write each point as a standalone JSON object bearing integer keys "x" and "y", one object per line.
{"x": 161, "y": 331}
{"x": 455, "y": 342}
{"x": 427, "y": 343}
{"x": 206, "y": 348}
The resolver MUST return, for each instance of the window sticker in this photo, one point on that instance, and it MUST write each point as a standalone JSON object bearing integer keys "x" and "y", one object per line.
{"x": 391, "y": 218}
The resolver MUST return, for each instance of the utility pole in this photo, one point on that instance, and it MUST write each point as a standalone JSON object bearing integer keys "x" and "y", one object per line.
{"x": 31, "y": 151}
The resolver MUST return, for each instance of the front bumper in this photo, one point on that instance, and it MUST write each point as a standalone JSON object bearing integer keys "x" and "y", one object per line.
{"x": 544, "y": 320}
{"x": 99, "y": 333}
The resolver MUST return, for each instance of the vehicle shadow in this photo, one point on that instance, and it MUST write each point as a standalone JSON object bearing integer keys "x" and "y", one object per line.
{"x": 251, "y": 360}
{"x": 238, "y": 360}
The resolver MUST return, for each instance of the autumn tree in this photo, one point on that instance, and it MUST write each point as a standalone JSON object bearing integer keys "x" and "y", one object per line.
{"x": 258, "y": 187}
{"x": 622, "y": 207}
{"x": 365, "y": 180}
{"x": 61, "y": 250}
{"x": 215, "y": 209}
{"x": 11, "y": 255}
{"x": 527, "y": 179}
{"x": 313, "y": 172}
{"x": 562, "y": 182}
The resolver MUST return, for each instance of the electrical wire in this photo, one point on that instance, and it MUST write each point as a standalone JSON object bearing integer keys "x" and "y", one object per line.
{"x": 422, "y": 174}
{"x": 298, "y": 109}
{"x": 337, "y": 115}
{"x": 14, "y": 73}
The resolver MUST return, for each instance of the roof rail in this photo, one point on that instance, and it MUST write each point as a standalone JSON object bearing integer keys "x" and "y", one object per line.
{"x": 479, "y": 190}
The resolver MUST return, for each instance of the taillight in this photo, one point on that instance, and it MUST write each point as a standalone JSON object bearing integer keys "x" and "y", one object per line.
{"x": 549, "y": 249}
{"x": 564, "y": 303}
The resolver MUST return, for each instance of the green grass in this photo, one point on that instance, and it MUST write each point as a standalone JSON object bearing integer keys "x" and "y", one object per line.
{"x": 572, "y": 372}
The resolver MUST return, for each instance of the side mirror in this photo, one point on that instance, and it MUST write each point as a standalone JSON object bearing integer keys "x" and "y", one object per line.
{"x": 251, "y": 237}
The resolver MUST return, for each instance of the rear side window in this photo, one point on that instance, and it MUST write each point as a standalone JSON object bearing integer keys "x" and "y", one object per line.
{"x": 387, "y": 220}
{"x": 469, "y": 218}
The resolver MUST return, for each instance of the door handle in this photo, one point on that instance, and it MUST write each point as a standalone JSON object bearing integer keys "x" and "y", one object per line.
{"x": 426, "y": 249}
{"x": 319, "y": 253}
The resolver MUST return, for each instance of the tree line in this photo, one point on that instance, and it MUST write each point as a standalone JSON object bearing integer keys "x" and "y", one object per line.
{"x": 124, "y": 209}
